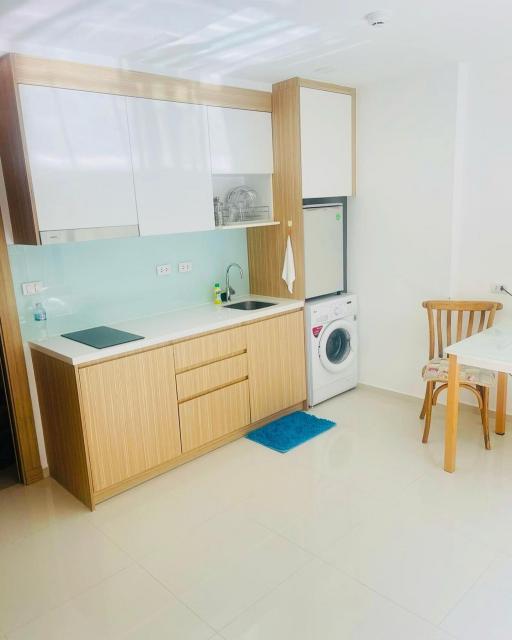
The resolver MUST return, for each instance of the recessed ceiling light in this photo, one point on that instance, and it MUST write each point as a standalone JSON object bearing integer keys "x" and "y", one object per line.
{"x": 377, "y": 18}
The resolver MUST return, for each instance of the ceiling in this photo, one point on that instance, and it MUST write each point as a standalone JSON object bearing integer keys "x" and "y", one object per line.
{"x": 257, "y": 42}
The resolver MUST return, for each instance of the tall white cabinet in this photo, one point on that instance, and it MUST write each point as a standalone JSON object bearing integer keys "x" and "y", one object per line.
{"x": 171, "y": 166}
{"x": 78, "y": 151}
{"x": 326, "y": 143}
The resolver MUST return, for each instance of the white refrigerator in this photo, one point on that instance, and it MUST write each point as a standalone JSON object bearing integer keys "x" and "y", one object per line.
{"x": 325, "y": 250}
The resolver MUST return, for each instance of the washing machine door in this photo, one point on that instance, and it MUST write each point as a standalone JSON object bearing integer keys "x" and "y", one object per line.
{"x": 336, "y": 348}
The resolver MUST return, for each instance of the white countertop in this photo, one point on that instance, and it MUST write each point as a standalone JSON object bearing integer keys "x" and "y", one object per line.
{"x": 489, "y": 349}
{"x": 164, "y": 327}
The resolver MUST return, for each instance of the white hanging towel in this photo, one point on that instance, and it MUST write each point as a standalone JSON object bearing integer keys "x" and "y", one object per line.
{"x": 289, "y": 266}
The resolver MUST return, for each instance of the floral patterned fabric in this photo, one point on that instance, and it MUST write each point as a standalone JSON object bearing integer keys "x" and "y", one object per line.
{"x": 437, "y": 369}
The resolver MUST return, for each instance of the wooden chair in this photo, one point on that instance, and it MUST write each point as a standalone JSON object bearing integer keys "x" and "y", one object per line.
{"x": 470, "y": 316}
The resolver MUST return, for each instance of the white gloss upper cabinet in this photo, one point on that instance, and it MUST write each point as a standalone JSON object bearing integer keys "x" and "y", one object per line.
{"x": 326, "y": 143}
{"x": 78, "y": 150}
{"x": 240, "y": 141}
{"x": 171, "y": 165}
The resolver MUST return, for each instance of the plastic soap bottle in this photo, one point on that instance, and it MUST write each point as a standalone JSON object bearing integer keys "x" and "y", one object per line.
{"x": 216, "y": 292}
{"x": 39, "y": 312}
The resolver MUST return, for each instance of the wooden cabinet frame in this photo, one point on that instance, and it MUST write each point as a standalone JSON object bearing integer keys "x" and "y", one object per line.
{"x": 27, "y": 448}
{"x": 266, "y": 246}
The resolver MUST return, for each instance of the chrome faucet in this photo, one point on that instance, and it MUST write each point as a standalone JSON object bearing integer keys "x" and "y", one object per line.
{"x": 229, "y": 289}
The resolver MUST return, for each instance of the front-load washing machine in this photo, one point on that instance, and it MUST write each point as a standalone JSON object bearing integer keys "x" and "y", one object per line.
{"x": 331, "y": 346}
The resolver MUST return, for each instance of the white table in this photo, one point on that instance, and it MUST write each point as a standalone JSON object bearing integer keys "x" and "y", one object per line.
{"x": 489, "y": 349}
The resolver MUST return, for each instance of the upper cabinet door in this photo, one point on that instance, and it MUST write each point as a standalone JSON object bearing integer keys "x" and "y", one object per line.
{"x": 326, "y": 143}
{"x": 79, "y": 155}
{"x": 171, "y": 164}
{"x": 240, "y": 141}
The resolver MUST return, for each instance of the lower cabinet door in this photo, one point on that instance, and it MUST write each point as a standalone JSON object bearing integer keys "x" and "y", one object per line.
{"x": 214, "y": 415}
{"x": 277, "y": 370}
{"x": 131, "y": 415}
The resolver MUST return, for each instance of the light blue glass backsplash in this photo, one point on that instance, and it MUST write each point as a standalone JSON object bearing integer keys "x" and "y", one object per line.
{"x": 108, "y": 281}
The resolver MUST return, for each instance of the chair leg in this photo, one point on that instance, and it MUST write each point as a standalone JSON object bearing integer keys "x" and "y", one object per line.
{"x": 424, "y": 407}
{"x": 428, "y": 411}
{"x": 485, "y": 416}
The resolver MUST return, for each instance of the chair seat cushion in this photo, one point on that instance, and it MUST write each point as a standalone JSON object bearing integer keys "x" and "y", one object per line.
{"x": 437, "y": 369}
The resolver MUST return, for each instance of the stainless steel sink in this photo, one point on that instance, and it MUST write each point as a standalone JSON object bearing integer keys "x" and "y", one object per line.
{"x": 249, "y": 305}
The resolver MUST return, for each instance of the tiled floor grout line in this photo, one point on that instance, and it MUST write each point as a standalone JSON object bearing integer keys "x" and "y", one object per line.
{"x": 269, "y": 592}
{"x": 381, "y": 595}
{"x": 175, "y": 595}
{"x": 274, "y": 533}
{"x": 137, "y": 561}
{"x": 469, "y": 588}
{"x": 66, "y": 601}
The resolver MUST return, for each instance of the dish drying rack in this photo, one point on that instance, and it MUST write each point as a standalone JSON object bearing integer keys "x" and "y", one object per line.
{"x": 240, "y": 207}
{"x": 230, "y": 214}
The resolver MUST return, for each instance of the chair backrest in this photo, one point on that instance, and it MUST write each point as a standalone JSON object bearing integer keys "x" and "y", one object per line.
{"x": 470, "y": 316}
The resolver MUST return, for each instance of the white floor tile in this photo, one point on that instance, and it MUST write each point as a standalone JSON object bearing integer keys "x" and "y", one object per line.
{"x": 205, "y": 551}
{"x": 485, "y": 611}
{"x": 25, "y": 510}
{"x": 163, "y": 519}
{"x": 308, "y": 510}
{"x": 130, "y": 604}
{"x": 417, "y": 561}
{"x": 223, "y": 595}
{"x": 320, "y": 603}
{"x": 49, "y": 567}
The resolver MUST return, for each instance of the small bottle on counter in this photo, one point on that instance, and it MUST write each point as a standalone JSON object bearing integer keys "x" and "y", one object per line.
{"x": 39, "y": 312}
{"x": 216, "y": 292}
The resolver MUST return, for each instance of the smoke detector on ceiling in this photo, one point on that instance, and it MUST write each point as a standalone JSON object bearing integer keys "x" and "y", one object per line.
{"x": 377, "y": 18}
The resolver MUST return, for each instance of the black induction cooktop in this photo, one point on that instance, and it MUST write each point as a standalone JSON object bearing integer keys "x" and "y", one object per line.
{"x": 102, "y": 337}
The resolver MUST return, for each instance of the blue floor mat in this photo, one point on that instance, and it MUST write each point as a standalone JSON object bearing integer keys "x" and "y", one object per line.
{"x": 288, "y": 432}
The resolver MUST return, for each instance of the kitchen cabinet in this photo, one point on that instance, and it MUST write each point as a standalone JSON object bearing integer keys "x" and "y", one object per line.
{"x": 171, "y": 166}
{"x": 326, "y": 143}
{"x": 68, "y": 159}
{"x": 130, "y": 414}
{"x": 275, "y": 351}
{"x": 78, "y": 151}
{"x": 240, "y": 141}
{"x": 111, "y": 424}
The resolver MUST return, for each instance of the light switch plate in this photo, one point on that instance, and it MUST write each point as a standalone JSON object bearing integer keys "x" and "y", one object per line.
{"x": 163, "y": 269}
{"x": 31, "y": 288}
{"x": 184, "y": 267}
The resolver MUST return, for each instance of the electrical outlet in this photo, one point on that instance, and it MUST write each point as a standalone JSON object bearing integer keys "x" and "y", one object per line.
{"x": 163, "y": 269}
{"x": 184, "y": 267}
{"x": 498, "y": 288}
{"x": 31, "y": 288}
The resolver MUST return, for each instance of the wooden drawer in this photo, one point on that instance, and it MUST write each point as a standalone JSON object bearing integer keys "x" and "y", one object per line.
{"x": 211, "y": 377}
{"x": 214, "y": 415}
{"x": 209, "y": 348}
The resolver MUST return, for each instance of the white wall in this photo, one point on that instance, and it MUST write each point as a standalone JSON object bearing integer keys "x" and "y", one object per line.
{"x": 400, "y": 221}
{"x": 482, "y": 244}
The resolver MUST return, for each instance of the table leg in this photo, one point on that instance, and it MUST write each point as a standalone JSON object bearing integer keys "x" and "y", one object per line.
{"x": 452, "y": 414}
{"x": 501, "y": 403}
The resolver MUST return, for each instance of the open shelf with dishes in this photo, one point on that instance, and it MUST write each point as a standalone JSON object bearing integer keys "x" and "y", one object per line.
{"x": 242, "y": 200}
